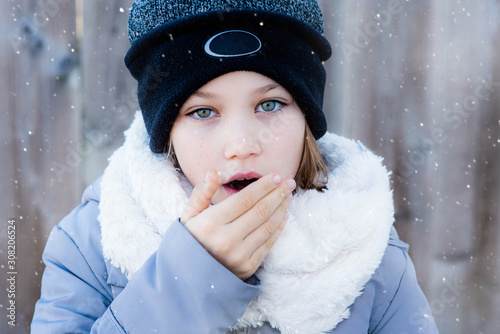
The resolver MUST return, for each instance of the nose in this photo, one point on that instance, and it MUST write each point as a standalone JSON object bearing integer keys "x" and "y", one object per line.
{"x": 242, "y": 141}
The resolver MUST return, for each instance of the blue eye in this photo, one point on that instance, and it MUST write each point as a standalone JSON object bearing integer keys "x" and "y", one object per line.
{"x": 202, "y": 113}
{"x": 270, "y": 106}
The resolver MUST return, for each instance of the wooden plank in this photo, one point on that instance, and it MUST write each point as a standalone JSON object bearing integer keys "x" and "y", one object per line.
{"x": 393, "y": 90}
{"x": 110, "y": 92}
{"x": 336, "y": 91}
{"x": 8, "y": 155}
{"x": 458, "y": 80}
{"x": 38, "y": 81}
{"x": 484, "y": 269}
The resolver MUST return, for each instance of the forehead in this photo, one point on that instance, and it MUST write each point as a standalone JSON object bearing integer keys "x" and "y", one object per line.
{"x": 240, "y": 80}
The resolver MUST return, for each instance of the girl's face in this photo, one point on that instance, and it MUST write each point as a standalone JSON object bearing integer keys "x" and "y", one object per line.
{"x": 244, "y": 125}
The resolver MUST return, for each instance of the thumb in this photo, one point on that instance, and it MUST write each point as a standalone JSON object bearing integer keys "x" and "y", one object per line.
{"x": 201, "y": 197}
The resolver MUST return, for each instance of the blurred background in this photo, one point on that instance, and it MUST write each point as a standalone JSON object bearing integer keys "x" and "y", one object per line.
{"x": 417, "y": 81}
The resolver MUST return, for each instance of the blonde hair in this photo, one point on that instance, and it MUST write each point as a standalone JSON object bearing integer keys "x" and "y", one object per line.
{"x": 312, "y": 172}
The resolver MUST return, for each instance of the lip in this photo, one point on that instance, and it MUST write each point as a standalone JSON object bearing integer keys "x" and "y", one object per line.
{"x": 251, "y": 175}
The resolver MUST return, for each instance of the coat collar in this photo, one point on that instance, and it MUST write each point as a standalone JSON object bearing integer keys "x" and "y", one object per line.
{"x": 332, "y": 244}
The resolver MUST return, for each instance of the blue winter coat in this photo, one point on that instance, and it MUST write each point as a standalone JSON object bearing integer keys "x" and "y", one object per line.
{"x": 182, "y": 289}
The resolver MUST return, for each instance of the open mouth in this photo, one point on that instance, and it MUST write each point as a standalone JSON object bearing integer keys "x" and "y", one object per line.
{"x": 240, "y": 184}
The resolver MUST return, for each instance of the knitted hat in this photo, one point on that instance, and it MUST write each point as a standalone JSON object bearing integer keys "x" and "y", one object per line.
{"x": 180, "y": 45}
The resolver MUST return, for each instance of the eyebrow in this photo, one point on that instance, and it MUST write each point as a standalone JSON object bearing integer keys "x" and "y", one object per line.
{"x": 267, "y": 88}
{"x": 205, "y": 95}
{"x": 260, "y": 90}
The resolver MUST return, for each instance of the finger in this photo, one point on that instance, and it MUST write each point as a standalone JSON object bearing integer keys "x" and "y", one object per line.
{"x": 264, "y": 209}
{"x": 201, "y": 197}
{"x": 237, "y": 204}
{"x": 243, "y": 261}
{"x": 266, "y": 229}
{"x": 261, "y": 252}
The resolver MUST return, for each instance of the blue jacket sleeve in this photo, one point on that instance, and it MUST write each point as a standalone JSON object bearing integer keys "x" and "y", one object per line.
{"x": 180, "y": 289}
{"x": 392, "y": 301}
{"x": 408, "y": 310}
{"x": 189, "y": 288}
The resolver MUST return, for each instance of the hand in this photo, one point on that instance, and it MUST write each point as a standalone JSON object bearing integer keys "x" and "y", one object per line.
{"x": 239, "y": 231}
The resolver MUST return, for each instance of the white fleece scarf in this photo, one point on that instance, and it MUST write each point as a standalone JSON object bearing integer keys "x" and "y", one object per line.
{"x": 332, "y": 244}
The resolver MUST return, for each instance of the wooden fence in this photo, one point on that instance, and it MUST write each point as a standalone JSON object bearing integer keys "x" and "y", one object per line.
{"x": 417, "y": 81}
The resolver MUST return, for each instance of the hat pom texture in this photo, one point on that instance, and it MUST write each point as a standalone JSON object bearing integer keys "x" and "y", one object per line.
{"x": 146, "y": 15}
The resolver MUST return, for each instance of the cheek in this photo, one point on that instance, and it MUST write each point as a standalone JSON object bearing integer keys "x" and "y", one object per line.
{"x": 193, "y": 153}
{"x": 288, "y": 143}
{"x": 292, "y": 146}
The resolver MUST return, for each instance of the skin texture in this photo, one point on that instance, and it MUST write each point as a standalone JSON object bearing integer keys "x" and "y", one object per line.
{"x": 240, "y": 124}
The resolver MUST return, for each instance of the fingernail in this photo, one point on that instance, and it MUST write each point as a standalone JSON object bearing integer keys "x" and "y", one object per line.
{"x": 289, "y": 197}
{"x": 285, "y": 217}
{"x": 276, "y": 179}
{"x": 291, "y": 183}
{"x": 207, "y": 176}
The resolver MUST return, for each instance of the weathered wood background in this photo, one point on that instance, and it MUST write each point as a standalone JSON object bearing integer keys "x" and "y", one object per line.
{"x": 417, "y": 81}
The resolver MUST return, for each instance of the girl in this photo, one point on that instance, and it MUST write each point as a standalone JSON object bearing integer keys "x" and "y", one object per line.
{"x": 228, "y": 209}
